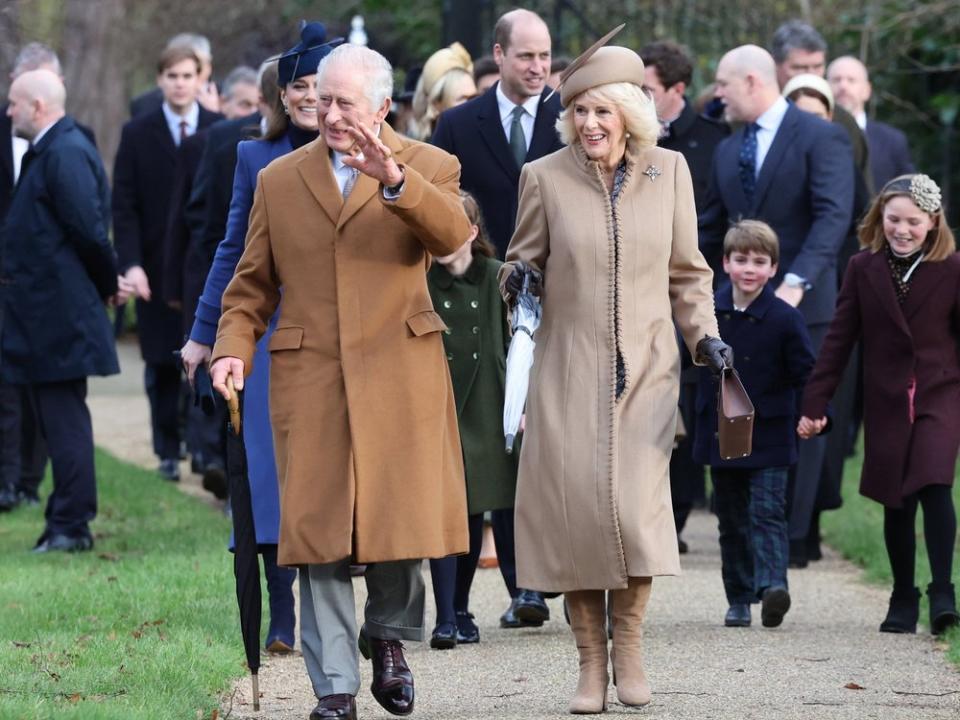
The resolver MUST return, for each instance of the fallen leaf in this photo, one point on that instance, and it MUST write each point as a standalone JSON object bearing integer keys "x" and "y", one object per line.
{"x": 158, "y": 622}
{"x": 215, "y": 714}
{"x": 21, "y": 644}
{"x": 75, "y": 698}
{"x": 854, "y": 686}
{"x": 137, "y": 634}
{"x": 112, "y": 578}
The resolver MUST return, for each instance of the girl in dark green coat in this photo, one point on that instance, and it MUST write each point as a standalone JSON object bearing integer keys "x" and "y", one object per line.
{"x": 465, "y": 293}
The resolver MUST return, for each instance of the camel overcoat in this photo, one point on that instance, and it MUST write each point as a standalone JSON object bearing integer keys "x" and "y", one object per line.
{"x": 362, "y": 408}
{"x": 593, "y": 491}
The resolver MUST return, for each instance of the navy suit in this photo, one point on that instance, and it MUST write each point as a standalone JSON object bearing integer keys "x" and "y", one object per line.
{"x": 804, "y": 192}
{"x": 474, "y": 134}
{"x": 58, "y": 267}
{"x": 889, "y": 153}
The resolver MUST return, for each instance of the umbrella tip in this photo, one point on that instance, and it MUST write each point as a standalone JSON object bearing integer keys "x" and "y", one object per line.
{"x": 509, "y": 444}
{"x": 255, "y": 682}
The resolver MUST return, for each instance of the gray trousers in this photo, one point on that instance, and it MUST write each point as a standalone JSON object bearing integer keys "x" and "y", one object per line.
{"x": 328, "y": 625}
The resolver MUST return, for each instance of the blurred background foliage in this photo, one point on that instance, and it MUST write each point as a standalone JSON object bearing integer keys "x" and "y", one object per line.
{"x": 109, "y": 46}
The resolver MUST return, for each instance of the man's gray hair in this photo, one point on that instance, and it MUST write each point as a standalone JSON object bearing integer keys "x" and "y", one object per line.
{"x": 795, "y": 35}
{"x": 377, "y": 70}
{"x": 240, "y": 75}
{"x": 198, "y": 43}
{"x": 34, "y": 56}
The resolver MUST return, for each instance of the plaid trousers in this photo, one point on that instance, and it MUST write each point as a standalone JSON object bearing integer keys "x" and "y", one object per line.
{"x": 754, "y": 544}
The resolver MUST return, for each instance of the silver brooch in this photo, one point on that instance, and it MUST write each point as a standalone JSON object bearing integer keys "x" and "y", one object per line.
{"x": 652, "y": 172}
{"x": 925, "y": 193}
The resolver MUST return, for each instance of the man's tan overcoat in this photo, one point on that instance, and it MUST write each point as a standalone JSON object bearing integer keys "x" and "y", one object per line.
{"x": 593, "y": 492}
{"x": 364, "y": 421}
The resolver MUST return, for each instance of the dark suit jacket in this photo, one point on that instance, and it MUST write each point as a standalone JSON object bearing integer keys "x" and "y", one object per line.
{"x": 146, "y": 102}
{"x": 473, "y": 132}
{"x": 143, "y": 179}
{"x": 774, "y": 356}
{"x": 696, "y": 138}
{"x": 58, "y": 264}
{"x": 911, "y": 373}
{"x": 889, "y": 153}
{"x": 804, "y": 192}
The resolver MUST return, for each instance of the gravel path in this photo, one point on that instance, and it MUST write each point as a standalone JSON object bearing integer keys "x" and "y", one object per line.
{"x": 826, "y": 661}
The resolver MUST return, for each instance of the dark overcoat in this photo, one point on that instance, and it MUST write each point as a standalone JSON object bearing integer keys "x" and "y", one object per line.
{"x": 143, "y": 179}
{"x": 696, "y": 138}
{"x": 889, "y": 153}
{"x": 474, "y": 134}
{"x": 476, "y": 341}
{"x": 58, "y": 264}
{"x": 774, "y": 357}
{"x": 911, "y": 373}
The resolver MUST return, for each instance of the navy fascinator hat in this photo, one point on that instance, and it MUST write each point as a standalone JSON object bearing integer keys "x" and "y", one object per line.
{"x": 304, "y": 57}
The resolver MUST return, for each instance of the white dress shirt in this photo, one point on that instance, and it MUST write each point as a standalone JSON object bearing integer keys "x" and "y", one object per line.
{"x": 506, "y": 106}
{"x": 861, "y": 118}
{"x": 192, "y": 117}
{"x": 20, "y": 147}
{"x": 769, "y": 123}
{"x": 342, "y": 173}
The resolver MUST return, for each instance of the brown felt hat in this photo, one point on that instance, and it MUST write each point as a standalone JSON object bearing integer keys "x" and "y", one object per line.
{"x": 610, "y": 64}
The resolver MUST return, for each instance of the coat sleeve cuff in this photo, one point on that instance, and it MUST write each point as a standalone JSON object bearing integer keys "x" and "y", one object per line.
{"x": 203, "y": 331}
{"x": 233, "y": 346}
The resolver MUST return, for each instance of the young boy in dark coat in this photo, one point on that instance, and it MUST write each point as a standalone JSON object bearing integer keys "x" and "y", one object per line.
{"x": 774, "y": 357}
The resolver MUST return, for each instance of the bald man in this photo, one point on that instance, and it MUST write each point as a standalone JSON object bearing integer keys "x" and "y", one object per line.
{"x": 59, "y": 271}
{"x": 795, "y": 172}
{"x": 889, "y": 150}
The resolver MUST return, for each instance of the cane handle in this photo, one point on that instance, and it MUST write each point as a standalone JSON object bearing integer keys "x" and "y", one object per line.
{"x": 233, "y": 405}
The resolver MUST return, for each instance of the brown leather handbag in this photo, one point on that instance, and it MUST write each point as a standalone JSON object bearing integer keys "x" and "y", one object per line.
{"x": 734, "y": 417}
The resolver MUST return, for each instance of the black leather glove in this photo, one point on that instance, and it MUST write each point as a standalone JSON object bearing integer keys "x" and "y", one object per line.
{"x": 514, "y": 283}
{"x": 714, "y": 353}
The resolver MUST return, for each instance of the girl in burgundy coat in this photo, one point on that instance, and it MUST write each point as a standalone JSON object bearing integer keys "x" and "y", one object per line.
{"x": 902, "y": 298}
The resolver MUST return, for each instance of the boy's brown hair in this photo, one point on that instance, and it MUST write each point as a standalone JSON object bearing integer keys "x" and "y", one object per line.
{"x": 939, "y": 244}
{"x": 752, "y": 235}
{"x": 481, "y": 244}
{"x": 176, "y": 54}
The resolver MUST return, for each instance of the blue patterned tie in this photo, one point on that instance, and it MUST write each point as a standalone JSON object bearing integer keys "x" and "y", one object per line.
{"x": 748, "y": 161}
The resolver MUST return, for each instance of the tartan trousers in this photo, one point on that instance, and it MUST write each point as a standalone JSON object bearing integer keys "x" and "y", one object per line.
{"x": 754, "y": 543}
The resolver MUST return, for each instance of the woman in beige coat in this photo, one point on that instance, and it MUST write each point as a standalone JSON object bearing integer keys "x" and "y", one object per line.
{"x": 608, "y": 225}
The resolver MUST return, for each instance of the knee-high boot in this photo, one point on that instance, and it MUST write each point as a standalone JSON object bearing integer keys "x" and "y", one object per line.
{"x": 588, "y": 620}
{"x": 629, "y": 607}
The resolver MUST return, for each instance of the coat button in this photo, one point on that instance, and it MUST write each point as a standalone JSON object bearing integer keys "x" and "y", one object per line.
{"x": 475, "y": 356}
{"x": 448, "y": 331}
{"x": 449, "y": 356}
{"x": 447, "y": 304}
{"x": 475, "y": 330}
{"x": 474, "y": 304}
{"x": 746, "y": 358}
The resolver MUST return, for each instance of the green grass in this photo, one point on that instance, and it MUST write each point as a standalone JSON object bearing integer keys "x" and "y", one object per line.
{"x": 144, "y": 626}
{"x": 856, "y": 530}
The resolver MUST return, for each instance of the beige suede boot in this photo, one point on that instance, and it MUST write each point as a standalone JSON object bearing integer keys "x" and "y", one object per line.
{"x": 588, "y": 619}
{"x": 629, "y": 606}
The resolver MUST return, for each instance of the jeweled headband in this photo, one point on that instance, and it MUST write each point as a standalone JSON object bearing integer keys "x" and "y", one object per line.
{"x": 924, "y": 192}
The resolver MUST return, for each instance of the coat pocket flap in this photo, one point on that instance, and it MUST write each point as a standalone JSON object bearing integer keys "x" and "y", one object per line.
{"x": 286, "y": 338}
{"x": 425, "y": 322}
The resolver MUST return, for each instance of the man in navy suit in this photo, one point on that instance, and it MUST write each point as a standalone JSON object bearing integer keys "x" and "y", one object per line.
{"x": 889, "y": 151}
{"x": 795, "y": 172}
{"x": 493, "y": 136}
{"x": 143, "y": 181}
{"x": 510, "y": 124}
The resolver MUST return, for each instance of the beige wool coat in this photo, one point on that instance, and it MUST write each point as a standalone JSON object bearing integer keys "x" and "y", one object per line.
{"x": 593, "y": 492}
{"x": 364, "y": 420}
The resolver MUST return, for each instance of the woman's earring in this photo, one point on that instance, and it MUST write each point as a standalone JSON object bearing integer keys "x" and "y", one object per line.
{"x": 286, "y": 110}
{"x": 628, "y": 134}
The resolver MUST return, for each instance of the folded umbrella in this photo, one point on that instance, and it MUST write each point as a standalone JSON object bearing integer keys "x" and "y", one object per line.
{"x": 246, "y": 563}
{"x": 526, "y": 320}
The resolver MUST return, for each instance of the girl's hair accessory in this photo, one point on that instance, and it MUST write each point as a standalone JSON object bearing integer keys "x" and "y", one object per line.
{"x": 925, "y": 193}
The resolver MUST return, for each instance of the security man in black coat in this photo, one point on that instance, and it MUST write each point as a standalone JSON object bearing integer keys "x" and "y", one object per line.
{"x": 668, "y": 71}
{"x": 58, "y": 270}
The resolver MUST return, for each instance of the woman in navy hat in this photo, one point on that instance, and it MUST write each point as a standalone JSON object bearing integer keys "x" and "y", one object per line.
{"x": 290, "y": 124}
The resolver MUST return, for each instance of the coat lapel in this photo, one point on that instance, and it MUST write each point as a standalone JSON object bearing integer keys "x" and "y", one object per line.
{"x": 544, "y": 132}
{"x": 878, "y": 274}
{"x": 366, "y": 187}
{"x": 6, "y": 145}
{"x": 728, "y": 165}
{"x": 317, "y": 173}
{"x": 491, "y": 130}
{"x": 771, "y": 163}
{"x": 925, "y": 278}
{"x": 161, "y": 133}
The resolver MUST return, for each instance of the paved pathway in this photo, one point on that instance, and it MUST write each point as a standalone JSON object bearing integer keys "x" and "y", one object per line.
{"x": 826, "y": 661}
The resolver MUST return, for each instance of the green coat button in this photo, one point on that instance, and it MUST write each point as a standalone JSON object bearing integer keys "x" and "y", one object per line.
{"x": 474, "y": 304}
{"x": 475, "y": 356}
{"x": 476, "y": 330}
{"x": 447, "y": 304}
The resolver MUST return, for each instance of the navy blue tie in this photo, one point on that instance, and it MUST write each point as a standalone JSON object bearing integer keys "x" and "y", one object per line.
{"x": 748, "y": 161}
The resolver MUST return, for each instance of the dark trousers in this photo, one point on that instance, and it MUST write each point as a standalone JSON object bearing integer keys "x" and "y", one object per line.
{"x": 452, "y": 577}
{"x": 754, "y": 548}
{"x": 939, "y": 531}
{"x": 162, "y": 382}
{"x": 23, "y": 454}
{"x": 65, "y": 424}
{"x": 501, "y": 521}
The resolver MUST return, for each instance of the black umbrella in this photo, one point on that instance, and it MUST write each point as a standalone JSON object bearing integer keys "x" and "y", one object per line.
{"x": 246, "y": 563}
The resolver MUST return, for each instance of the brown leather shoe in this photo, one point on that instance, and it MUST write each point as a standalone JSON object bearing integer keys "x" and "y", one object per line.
{"x": 392, "y": 684}
{"x": 340, "y": 706}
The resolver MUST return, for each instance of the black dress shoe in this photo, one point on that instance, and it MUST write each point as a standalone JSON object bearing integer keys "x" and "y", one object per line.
{"x": 215, "y": 481}
{"x": 510, "y": 620}
{"x": 63, "y": 543}
{"x": 738, "y": 616}
{"x": 169, "y": 469}
{"x": 392, "y": 684}
{"x": 467, "y": 630}
{"x": 335, "y": 706}
{"x": 444, "y": 637}
{"x": 774, "y": 605}
{"x": 682, "y": 546}
{"x": 798, "y": 555}
{"x": 8, "y": 499}
{"x": 531, "y": 609}
{"x": 25, "y": 497}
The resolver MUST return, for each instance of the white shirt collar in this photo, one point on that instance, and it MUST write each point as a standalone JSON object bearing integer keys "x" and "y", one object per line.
{"x": 506, "y": 105}
{"x": 192, "y": 116}
{"x": 773, "y": 116}
{"x": 861, "y": 118}
{"x": 43, "y": 132}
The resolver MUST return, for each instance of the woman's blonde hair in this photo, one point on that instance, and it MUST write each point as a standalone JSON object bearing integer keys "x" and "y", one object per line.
{"x": 637, "y": 109}
{"x": 940, "y": 243}
{"x": 427, "y": 106}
